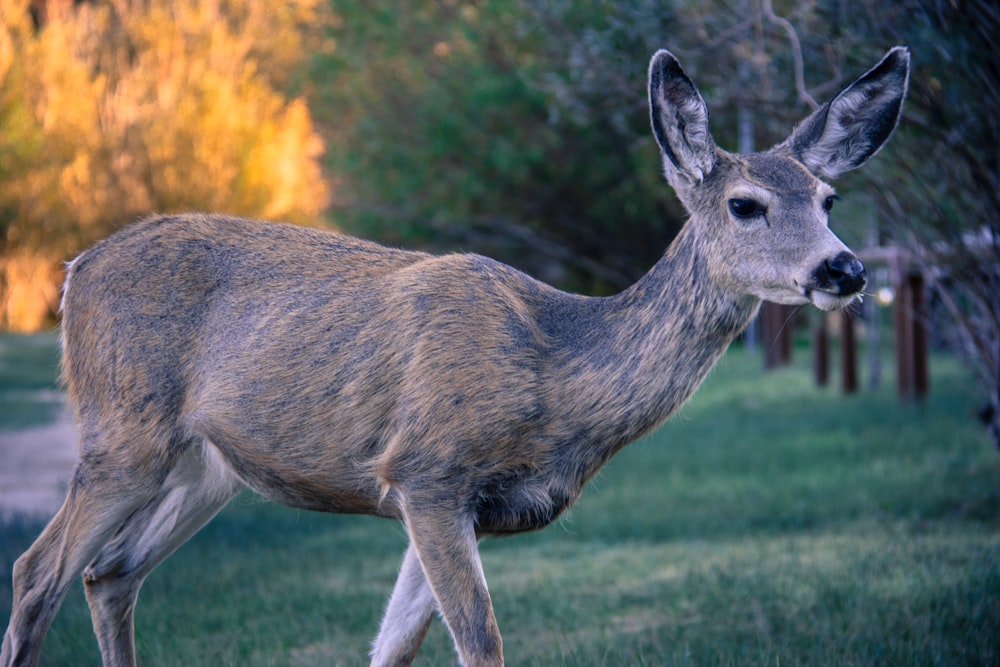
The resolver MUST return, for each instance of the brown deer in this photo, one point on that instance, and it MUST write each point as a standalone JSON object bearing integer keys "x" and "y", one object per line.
{"x": 205, "y": 354}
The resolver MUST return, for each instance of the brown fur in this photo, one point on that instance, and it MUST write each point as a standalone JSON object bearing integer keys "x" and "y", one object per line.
{"x": 206, "y": 353}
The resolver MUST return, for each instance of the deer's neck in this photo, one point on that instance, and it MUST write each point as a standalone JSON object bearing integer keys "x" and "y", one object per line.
{"x": 648, "y": 348}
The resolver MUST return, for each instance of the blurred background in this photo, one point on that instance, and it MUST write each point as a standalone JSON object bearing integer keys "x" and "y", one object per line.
{"x": 515, "y": 128}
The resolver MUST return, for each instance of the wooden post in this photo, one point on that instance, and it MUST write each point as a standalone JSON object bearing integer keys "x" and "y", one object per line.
{"x": 921, "y": 351}
{"x": 785, "y": 333}
{"x": 775, "y": 334}
{"x": 874, "y": 326}
{"x": 821, "y": 354}
{"x": 848, "y": 354}
{"x": 903, "y": 308}
{"x": 768, "y": 331}
{"x": 911, "y": 338}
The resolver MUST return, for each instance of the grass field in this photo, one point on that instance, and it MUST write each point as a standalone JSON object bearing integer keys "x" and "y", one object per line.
{"x": 29, "y": 368}
{"x": 770, "y": 523}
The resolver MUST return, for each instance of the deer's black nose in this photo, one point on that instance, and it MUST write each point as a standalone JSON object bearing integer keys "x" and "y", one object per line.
{"x": 845, "y": 273}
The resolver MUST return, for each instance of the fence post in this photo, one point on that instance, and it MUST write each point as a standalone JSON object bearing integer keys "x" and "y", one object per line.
{"x": 821, "y": 354}
{"x": 848, "y": 354}
{"x": 776, "y": 334}
{"x": 911, "y": 337}
{"x": 921, "y": 379}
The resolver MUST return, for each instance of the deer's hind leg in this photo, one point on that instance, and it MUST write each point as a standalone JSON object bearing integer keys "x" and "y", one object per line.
{"x": 197, "y": 487}
{"x": 43, "y": 574}
{"x": 101, "y": 496}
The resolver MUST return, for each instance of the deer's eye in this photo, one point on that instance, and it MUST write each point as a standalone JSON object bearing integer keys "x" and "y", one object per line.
{"x": 828, "y": 202}
{"x": 744, "y": 207}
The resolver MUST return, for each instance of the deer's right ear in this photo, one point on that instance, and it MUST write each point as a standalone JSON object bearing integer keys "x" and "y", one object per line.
{"x": 853, "y": 126}
{"x": 680, "y": 122}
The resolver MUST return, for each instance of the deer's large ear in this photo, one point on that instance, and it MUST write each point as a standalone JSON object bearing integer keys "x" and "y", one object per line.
{"x": 680, "y": 122}
{"x": 846, "y": 131}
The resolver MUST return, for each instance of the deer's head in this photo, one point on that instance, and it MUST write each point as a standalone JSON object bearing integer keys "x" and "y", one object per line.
{"x": 765, "y": 216}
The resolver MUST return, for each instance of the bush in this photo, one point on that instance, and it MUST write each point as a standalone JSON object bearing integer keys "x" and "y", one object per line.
{"x": 109, "y": 111}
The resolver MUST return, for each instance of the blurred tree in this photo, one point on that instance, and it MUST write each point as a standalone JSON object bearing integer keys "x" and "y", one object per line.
{"x": 939, "y": 196}
{"x": 111, "y": 110}
{"x": 447, "y": 130}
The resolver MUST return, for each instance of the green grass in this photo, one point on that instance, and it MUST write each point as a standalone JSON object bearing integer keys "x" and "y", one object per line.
{"x": 770, "y": 523}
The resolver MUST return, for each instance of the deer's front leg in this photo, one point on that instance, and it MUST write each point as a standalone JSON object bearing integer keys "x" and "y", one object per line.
{"x": 444, "y": 540}
{"x": 407, "y": 616}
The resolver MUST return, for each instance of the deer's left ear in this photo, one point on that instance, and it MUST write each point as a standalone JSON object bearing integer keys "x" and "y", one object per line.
{"x": 680, "y": 122}
{"x": 846, "y": 131}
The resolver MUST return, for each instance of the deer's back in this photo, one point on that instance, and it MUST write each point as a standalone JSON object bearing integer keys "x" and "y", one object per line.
{"x": 168, "y": 291}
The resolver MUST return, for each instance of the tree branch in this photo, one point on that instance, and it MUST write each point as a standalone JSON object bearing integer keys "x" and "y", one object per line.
{"x": 793, "y": 37}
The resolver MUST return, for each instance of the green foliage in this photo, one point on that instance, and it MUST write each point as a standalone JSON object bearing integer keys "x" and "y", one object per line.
{"x": 769, "y": 523}
{"x": 449, "y": 130}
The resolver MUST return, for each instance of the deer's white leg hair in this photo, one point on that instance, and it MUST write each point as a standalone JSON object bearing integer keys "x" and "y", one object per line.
{"x": 194, "y": 491}
{"x": 407, "y": 615}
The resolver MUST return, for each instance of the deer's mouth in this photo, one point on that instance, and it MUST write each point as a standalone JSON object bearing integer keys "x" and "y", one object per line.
{"x": 828, "y": 301}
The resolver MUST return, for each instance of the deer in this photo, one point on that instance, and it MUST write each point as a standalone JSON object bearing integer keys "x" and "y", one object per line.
{"x": 204, "y": 354}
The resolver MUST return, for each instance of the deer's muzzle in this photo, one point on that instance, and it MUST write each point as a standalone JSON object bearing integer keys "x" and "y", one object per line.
{"x": 843, "y": 275}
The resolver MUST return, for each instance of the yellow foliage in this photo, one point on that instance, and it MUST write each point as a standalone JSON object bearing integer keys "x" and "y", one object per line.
{"x": 29, "y": 290}
{"x": 115, "y": 110}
